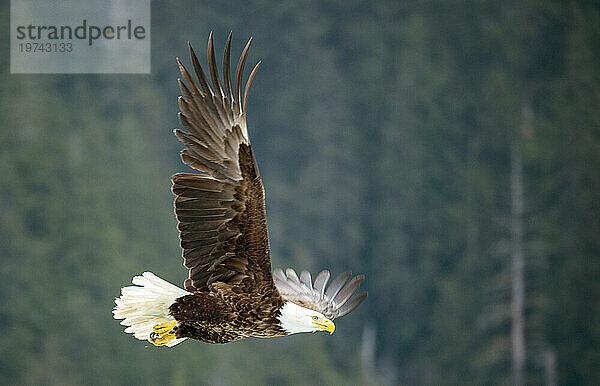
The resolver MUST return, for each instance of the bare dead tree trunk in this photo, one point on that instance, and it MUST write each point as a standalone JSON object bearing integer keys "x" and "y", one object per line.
{"x": 518, "y": 265}
{"x": 550, "y": 367}
{"x": 367, "y": 351}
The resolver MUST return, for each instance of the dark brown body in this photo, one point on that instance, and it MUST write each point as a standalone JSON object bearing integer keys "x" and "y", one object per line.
{"x": 222, "y": 316}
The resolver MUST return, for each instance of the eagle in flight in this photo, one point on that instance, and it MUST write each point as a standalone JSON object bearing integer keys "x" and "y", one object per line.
{"x": 231, "y": 292}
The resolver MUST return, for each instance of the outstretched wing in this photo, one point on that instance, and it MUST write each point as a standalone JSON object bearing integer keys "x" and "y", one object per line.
{"x": 333, "y": 301}
{"x": 221, "y": 212}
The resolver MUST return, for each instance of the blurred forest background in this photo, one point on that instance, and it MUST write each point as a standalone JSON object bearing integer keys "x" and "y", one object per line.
{"x": 450, "y": 150}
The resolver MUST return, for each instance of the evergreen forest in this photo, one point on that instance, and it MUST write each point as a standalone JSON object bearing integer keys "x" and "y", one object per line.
{"x": 448, "y": 150}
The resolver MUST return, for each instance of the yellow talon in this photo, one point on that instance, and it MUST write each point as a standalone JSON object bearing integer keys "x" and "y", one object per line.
{"x": 161, "y": 333}
{"x": 165, "y": 327}
{"x": 161, "y": 340}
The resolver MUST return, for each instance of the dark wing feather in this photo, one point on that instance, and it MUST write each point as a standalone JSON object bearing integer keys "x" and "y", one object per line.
{"x": 221, "y": 213}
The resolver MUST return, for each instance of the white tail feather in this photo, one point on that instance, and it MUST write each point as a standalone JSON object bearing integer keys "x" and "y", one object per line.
{"x": 147, "y": 304}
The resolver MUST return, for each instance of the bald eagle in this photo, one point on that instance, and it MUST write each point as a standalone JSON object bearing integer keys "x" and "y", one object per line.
{"x": 231, "y": 292}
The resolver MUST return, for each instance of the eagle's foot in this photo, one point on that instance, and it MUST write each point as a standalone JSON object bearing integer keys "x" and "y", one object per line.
{"x": 161, "y": 340}
{"x": 162, "y": 333}
{"x": 165, "y": 327}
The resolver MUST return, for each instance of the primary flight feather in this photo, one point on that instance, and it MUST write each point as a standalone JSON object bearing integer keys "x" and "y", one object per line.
{"x": 231, "y": 291}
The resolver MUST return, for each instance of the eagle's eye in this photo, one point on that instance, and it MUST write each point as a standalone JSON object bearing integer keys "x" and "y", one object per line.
{"x": 315, "y": 317}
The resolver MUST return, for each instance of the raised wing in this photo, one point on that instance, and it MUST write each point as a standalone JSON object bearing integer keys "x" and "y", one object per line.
{"x": 221, "y": 213}
{"x": 333, "y": 301}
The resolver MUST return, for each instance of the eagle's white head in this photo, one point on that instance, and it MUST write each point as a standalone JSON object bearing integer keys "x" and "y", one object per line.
{"x": 294, "y": 319}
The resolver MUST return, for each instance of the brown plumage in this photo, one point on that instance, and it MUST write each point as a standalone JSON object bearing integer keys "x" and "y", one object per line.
{"x": 231, "y": 292}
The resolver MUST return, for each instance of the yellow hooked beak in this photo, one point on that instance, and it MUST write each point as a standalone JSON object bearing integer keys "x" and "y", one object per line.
{"x": 325, "y": 324}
